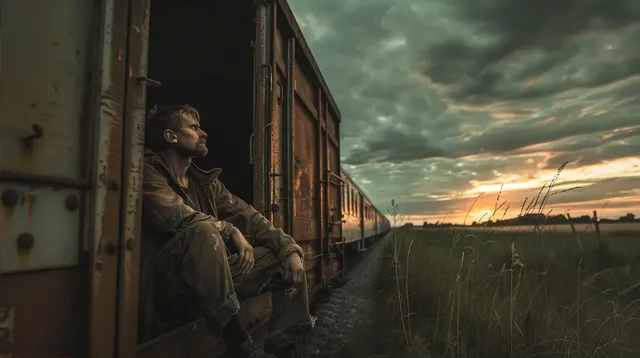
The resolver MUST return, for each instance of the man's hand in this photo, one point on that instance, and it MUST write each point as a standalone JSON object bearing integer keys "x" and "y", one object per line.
{"x": 294, "y": 268}
{"x": 245, "y": 251}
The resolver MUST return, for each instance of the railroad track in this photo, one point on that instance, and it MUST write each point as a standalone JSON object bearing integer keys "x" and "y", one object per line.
{"x": 348, "y": 307}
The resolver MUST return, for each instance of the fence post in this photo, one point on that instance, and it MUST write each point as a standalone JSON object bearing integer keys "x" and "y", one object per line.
{"x": 595, "y": 221}
{"x": 575, "y": 233}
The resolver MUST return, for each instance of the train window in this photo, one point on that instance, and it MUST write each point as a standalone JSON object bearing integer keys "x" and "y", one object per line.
{"x": 353, "y": 193}
{"x": 216, "y": 77}
{"x": 346, "y": 201}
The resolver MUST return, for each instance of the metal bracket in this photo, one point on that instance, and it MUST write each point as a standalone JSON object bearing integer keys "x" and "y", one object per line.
{"x": 144, "y": 80}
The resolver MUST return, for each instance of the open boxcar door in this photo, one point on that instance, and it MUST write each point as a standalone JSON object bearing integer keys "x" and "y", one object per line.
{"x": 150, "y": 36}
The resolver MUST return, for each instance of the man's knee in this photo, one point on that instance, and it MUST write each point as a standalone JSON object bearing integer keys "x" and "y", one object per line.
{"x": 203, "y": 237}
{"x": 199, "y": 253}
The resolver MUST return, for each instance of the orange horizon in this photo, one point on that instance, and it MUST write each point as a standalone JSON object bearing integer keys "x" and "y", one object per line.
{"x": 508, "y": 190}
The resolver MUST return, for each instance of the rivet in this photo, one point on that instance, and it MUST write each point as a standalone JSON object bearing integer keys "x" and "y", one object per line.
{"x": 113, "y": 185}
{"x": 25, "y": 241}
{"x": 71, "y": 202}
{"x": 110, "y": 248}
{"x": 10, "y": 198}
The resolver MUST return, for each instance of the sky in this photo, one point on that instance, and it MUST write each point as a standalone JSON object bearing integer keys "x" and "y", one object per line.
{"x": 453, "y": 108}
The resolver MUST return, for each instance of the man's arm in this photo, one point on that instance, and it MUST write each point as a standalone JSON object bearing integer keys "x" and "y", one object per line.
{"x": 261, "y": 231}
{"x": 165, "y": 210}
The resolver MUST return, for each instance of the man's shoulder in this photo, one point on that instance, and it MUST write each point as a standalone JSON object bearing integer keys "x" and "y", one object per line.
{"x": 204, "y": 176}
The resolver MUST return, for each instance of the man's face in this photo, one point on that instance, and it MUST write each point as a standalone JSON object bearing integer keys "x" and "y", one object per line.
{"x": 190, "y": 140}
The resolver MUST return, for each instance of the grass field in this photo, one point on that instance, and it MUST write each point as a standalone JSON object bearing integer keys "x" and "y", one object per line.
{"x": 448, "y": 293}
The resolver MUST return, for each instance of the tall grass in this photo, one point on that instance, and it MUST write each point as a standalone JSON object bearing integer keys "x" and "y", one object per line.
{"x": 457, "y": 293}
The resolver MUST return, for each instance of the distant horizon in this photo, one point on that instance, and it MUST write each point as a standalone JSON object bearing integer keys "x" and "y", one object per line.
{"x": 418, "y": 219}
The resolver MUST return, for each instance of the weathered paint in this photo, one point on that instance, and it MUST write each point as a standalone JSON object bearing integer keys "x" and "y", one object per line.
{"x": 49, "y": 312}
{"x": 322, "y": 212}
{"x": 133, "y": 155}
{"x": 304, "y": 178}
{"x": 44, "y": 82}
{"x": 41, "y": 231}
{"x": 306, "y": 88}
{"x": 294, "y": 28}
{"x": 51, "y": 92}
{"x": 275, "y": 132}
{"x": 107, "y": 179}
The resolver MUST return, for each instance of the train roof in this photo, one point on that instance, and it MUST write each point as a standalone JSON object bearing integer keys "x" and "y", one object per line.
{"x": 297, "y": 32}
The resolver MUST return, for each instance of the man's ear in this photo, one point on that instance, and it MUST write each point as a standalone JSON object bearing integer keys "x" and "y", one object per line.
{"x": 170, "y": 136}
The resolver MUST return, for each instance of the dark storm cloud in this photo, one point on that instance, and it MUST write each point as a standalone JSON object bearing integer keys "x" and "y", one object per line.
{"x": 556, "y": 47}
{"x": 549, "y": 27}
{"x": 615, "y": 150}
{"x": 406, "y": 146}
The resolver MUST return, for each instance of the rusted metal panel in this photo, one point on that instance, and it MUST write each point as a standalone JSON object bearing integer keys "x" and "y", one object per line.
{"x": 133, "y": 155}
{"x": 263, "y": 71}
{"x": 332, "y": 127}
{"x": 321, "y": 193}
{"x": 281, "y": 42}
{"x": 276, "y": 133}
{"x": 304, "y": 144}
{"x": 289, "y": 134}
{"x": 107, "y": 180}
{"x": 46, "y": 50}
{"x": 43, "y": 130}
{"x": 305, "y": 86}
{"x": 43, "y": 313}
{"x": 40, "y": 227}
{"x": 286, "y": 12}
{"x": 56, "y": 115}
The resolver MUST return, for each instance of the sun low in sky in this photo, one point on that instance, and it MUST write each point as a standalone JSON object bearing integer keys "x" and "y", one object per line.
{"x": 443, "y": 101}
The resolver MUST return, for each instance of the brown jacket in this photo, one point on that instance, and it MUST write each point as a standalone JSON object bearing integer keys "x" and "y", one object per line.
{"x": 164, "y": 208}
{"x": 164, "y": 213}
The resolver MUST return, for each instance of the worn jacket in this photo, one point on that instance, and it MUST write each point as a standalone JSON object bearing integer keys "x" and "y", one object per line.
{"x": 164, "y": 208}
{"x": 164, "y": 213}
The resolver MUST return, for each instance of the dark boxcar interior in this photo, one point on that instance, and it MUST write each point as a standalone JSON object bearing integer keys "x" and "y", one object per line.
{"x": 201, "y": 53}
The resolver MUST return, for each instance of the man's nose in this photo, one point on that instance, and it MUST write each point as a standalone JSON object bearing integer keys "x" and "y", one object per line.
{"x": 203, "y": 134}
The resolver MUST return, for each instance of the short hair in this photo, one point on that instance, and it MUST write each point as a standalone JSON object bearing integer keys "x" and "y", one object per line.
{"x": 162, "y": 117}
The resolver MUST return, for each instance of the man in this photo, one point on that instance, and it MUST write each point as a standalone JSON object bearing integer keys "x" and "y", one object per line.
{"x": 191, "y": 224}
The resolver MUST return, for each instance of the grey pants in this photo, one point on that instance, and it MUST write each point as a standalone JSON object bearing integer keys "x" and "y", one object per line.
{"x": 194, "y": 280}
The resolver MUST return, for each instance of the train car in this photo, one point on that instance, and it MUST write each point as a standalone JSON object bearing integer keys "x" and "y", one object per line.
{"x": 362, "y": 222}
{"x": 368, "y": 217}
{"x": 77, "y": 79}
{"x": 351, "y": 210}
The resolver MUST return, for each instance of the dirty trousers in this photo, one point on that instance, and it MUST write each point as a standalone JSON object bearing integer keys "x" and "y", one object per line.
{"x": 194, "y": 281}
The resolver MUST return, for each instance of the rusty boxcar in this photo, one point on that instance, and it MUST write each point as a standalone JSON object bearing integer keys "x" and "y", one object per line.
{"x": 76, "y": 79}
